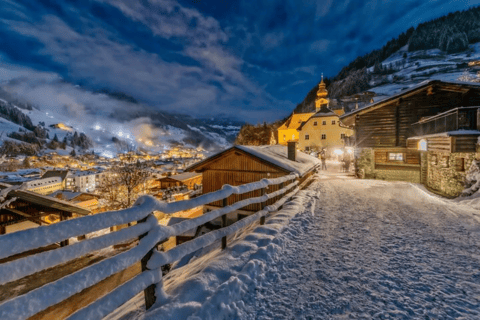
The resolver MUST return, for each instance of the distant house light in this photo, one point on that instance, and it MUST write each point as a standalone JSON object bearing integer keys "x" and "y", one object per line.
{"x": 422, "y": 145}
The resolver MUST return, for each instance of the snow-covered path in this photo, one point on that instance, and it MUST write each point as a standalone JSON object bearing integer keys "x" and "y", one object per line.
{"x": 373, "y": 250}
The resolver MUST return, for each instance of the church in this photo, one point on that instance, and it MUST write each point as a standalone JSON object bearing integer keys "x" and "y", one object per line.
{"x": 316, "y": 130}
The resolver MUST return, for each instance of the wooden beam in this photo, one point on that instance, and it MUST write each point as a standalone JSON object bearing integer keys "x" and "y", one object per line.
{"x": 28, "y": 216}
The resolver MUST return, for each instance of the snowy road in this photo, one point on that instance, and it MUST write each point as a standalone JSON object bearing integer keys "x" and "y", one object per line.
{"x": 343, "y": 249}
{"x": 373, "y": 250}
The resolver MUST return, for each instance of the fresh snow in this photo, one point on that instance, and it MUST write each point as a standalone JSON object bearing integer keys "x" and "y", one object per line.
{"x": 343, "y": 248}
{"x": 277, "y": 155}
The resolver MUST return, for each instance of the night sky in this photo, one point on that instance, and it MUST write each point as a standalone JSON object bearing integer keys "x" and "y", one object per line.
{"x": 253, "y": 60}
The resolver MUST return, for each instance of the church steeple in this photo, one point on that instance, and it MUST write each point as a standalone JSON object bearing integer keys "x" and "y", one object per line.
{"x": 322, "y": 94}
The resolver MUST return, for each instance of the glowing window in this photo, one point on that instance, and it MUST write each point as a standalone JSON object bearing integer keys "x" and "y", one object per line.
{"x": 422, "y": 145}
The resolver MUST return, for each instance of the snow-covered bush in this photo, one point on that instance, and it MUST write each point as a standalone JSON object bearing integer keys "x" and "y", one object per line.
{"x": 472, "y": 179}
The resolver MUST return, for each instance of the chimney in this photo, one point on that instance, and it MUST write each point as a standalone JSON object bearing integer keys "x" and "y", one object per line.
{"x": 292, "y": 150}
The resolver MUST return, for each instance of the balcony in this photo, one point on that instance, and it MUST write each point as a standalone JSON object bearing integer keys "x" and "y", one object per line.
{"x": 463, "y": 118}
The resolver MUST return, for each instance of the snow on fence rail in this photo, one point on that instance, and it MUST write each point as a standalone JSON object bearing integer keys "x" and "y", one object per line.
{"x": 147, "y": 230}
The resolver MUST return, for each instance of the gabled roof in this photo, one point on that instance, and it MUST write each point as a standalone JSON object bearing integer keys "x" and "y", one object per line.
{"x": 295, "y": 121}
{"x": 275, "y": 155}
{"x": 323, "y": 112}
{"x": 450, "y": 86}
{"x": 56, "y": 173}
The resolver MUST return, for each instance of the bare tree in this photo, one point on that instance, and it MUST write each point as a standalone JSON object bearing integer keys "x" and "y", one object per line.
{"x": 125, "y": 182}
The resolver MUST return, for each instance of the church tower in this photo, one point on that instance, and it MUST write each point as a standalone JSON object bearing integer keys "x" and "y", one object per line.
{"x": 322, "y": 94}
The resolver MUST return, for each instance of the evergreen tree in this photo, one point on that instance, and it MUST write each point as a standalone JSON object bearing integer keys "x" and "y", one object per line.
{"x": 55, "y": 138}
{"x": 73, "y": 153}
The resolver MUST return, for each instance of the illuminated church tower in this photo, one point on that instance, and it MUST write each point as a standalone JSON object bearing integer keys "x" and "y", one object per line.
{"x": 322, "y": 94}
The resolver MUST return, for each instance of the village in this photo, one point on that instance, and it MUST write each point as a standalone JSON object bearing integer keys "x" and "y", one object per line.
{"x": 426, "y": 135}
{"x": 189, "y": 160}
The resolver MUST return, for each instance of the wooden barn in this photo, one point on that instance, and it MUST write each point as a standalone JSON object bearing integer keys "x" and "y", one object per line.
{"x": 397, "y": 138}
{"x": 244, "y": 164}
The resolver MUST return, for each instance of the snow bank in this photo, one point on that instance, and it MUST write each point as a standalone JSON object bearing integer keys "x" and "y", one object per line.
{"x": 229, "y": 275}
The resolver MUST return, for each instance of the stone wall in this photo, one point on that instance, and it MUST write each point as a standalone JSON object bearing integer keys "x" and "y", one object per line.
{"x": 441, "y": 171}
{"x": 444, "y": 173}
{"x": 365, "y": 163}
{"x": 399, "y": 175}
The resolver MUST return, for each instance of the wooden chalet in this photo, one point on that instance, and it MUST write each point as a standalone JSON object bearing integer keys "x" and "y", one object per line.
{"x": 24, "y": 209}
{"x": 397, "y": 136}
{"x": 239, "y": 165}
{"x": 191, "y": 180}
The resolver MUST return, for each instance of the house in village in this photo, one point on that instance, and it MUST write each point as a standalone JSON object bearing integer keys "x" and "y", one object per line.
{"x": 239, "y": 165}
{"x": 289, "y": 131}
{"x": 81, "y": 199}
{"x": 191, "y": 180}
{"x": 427, "y": 134}
{"x": 324, "y": 130}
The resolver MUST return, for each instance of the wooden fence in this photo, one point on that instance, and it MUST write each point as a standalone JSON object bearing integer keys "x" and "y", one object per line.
{"x": 149, "y": 233}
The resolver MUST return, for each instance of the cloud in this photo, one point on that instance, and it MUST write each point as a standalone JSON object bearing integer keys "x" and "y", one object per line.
{"x": 172, "y": 56}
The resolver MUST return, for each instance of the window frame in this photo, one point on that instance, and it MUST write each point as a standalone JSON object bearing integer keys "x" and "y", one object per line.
{"x": 334, "y": 122}
{"x": 324, "y": 123}
{"x": 397, "y": 157}
{"x": 307, "y": 137}
{"x": 324, "y": 136}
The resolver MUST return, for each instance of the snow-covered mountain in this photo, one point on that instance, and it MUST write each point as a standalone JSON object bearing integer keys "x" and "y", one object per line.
{"x": 137, "y": 125}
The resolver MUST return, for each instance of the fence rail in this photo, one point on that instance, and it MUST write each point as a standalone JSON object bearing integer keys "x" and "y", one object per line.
{"x": 147, "y": 230}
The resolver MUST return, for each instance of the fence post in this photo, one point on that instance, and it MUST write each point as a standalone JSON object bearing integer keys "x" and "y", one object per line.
{"x": 224, "y": 224}
{"x": 281, "y": 186}
{"x": 149, "y": 292}
{"x": 63, "y": 217}
{"x": 262, "y": 205}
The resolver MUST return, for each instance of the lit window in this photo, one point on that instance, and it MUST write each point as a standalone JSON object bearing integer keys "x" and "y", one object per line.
{"x": 422, "y": 145}
{"x": 333, "y": 121}
{"x": 395, "y": 156}
{"x": 324, "y": 136}
{"x": 307, "y": 137}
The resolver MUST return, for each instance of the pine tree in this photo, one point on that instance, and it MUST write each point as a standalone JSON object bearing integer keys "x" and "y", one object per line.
{"x": 55, "y": 138}
{"x": 73, "y": 153}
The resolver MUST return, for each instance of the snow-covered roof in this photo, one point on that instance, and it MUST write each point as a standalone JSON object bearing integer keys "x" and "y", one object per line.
{"x": 184, "y": 176}
{"x": 278, "y": 155}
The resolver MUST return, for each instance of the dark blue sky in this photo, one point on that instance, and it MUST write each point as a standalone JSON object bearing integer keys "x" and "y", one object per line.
{"x": 254, "y": 60}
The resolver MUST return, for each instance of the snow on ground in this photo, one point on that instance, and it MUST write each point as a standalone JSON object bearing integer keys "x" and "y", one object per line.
{"x": 344, "y": 248}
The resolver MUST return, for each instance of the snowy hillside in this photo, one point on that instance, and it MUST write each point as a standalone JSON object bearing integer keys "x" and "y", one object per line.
{"x": 152, "y": 131}
{"x": 411, "y": 68}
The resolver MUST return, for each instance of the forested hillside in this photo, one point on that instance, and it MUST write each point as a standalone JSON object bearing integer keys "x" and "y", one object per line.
{"x": 451, "y": 33}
